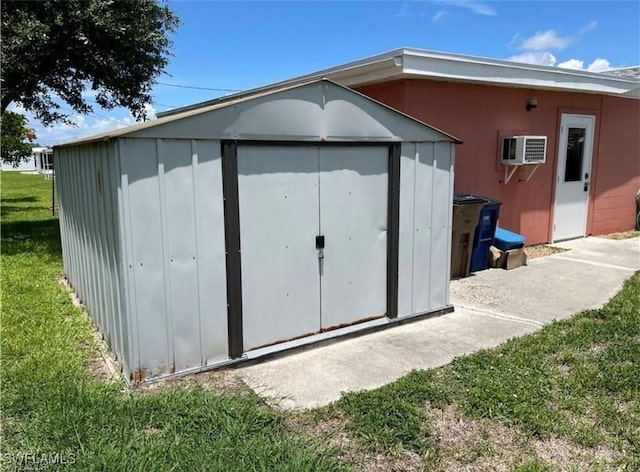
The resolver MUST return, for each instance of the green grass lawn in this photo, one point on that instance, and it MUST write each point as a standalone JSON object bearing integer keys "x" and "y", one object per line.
{"x": 52, "y": 404}
{"x": 560, "y": 398}
{"x": 576, "y": 380}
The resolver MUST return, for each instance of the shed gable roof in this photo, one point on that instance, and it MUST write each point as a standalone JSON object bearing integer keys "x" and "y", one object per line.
{"x": 320, "y": 110}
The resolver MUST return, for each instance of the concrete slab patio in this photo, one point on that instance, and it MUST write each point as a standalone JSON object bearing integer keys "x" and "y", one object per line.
{"x": 490, "y": 307}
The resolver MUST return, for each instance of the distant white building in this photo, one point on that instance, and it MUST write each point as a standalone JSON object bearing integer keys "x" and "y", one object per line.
{"x": 41, "y": 161}
{"x": 24, "y": 166}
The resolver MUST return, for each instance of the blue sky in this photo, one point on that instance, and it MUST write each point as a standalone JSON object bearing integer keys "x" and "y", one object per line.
{"x": 240, "y": 45}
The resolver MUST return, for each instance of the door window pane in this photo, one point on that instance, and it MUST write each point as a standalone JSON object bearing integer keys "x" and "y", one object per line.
{"x": 575, "y": 155}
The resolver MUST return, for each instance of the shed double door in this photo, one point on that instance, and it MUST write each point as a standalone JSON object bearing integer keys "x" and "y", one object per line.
{"x": 292, "y": 201}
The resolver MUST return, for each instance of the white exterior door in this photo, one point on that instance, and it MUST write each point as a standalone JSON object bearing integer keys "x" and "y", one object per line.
{"x": 573, "y": 176}
{"x": 289, "y": 195}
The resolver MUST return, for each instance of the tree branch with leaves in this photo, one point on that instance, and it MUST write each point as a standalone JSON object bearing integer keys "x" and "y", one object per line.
{"x": 15, "y": 138}
{"x": 59, "y": 49}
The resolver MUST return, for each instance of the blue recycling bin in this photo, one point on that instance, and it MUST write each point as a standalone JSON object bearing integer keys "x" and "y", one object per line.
{"x": 484, "y": 235}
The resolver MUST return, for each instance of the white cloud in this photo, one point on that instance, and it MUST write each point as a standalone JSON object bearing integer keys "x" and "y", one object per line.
{"x": 150, "y": 111}
{"x": 599, "y": 65}
{"x": 438, "y": 16}
{"x": 544, "y": 40}
{"x": 81, "y": 126}
{"x": 572, "y": 64}
{"x": 475, "y": 7}
{"x": 541, "y": 58}
{"x": 15, "y": 108}
{"x": 536, "y": 49}
{"x": 590, "y": 26}
{"x": 85, "y": 126}
{"x": 551, "y": 39}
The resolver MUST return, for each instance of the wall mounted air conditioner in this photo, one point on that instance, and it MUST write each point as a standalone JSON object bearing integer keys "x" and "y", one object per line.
{"x": 518, "y": 150}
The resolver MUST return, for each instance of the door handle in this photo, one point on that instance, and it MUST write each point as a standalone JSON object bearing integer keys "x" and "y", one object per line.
{"x": 320, "y": 246}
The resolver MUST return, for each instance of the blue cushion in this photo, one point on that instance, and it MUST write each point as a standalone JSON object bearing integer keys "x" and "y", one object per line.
{"x": 506, "y": 240}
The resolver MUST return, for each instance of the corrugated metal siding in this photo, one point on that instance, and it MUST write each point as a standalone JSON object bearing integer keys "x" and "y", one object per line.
{"x": 426, "y": 191}
{"x": 173, "y": 217}
{"x": 87, "y": 192}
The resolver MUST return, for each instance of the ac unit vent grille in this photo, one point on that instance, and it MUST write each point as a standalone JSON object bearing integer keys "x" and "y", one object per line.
{"x": 535, "y": 150}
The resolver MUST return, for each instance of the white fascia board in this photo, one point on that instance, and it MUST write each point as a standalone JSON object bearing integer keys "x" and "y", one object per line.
{"x": 446, "y": 67}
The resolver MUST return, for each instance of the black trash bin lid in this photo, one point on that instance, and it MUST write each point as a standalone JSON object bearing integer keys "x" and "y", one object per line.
{"x": 467, "y": 199}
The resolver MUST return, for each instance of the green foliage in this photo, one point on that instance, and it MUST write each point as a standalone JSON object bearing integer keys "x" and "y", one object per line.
{"x": 51, "y": 404}
{"x": 114, "y": 48}
{"x": 15, "y": 145}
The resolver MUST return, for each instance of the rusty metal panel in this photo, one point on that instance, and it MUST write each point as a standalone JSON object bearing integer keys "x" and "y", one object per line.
{"x": 211, "y": 270}
{"x": 139, "y": 162}
{"x": 127, "y": 285}
{"x": 178, "y": 201}
{"x": 173, "y": 241}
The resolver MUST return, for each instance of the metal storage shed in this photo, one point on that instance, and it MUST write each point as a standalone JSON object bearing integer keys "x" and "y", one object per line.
{"x": 255, "y": 225}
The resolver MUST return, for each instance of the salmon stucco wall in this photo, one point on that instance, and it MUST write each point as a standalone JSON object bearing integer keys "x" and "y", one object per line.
{"x": 617, "y": 175}
{"x": 481, "y": 114}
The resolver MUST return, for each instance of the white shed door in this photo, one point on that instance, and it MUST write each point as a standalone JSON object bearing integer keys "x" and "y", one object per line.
{"x": 288, "y": 195}
{"x": 278, "y": 203}
{"x": 353, "y": 220}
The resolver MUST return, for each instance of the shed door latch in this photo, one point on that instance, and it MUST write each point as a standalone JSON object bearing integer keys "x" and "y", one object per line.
{"x": 320, "y": 246}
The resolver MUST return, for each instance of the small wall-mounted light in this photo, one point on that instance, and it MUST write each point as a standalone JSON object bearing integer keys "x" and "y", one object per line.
{"x": 532, "y": 103}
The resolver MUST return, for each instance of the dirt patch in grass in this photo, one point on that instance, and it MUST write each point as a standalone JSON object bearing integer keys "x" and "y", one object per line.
{"x": 541, "y": 250}
{"x": 482, "y": 445}
{"x": 622, "y": 235}
{"x": 218, "y": 380}
{"x": 100, "y": 368}
{"x": 332, "y": 432}
{"x": 565, "y": 455}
